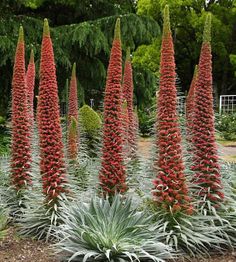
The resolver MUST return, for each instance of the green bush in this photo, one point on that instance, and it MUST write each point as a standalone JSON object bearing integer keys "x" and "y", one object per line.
{"x": 101, "y": 231}
{"x": 90, "y": 120}
{"x": 4, "y": 144}
{"x": 4, "y": 137}
{"x": 2, "y": 120}
{"x": 146, "y": 121}
{"x": 226, "y": 125}
{"x": 90, "y": 126}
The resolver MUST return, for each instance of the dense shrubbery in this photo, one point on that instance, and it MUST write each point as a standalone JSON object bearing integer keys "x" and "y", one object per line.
{"x": 226, "y": 125}
{"x": 4, "y": 138}
{"x": 90, "y": 120}
{"x": 146, "y": 121}
{"x": 90, "y": 127}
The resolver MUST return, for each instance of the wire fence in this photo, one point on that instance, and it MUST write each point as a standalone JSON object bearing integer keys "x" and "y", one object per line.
{"x": 227, "y": 104}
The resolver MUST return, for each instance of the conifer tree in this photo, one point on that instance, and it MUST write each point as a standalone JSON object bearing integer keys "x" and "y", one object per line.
{"x": 52, "y": 165}
{"x": 20, "y": 145}
{"x": 170, "y": 191}
{"x": 206, "y": 167}
{"x": 112, "y": 174}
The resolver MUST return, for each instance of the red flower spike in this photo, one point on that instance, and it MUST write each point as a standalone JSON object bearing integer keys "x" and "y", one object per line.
{"x": 205, "y": 157}
{"x": 169, "y": 165}
{"x": 128, "y": 90}
{"x": 125, "y": 128}
{"x": 190, "y": 107}
{"x": 52, "y": 165}
{"x": 73, "y": 139}
{"x": 73, "y": 135}
{"x": 30, "y": 81}
{"x": 20, "y": 146}
{"x": 112, "y": 174}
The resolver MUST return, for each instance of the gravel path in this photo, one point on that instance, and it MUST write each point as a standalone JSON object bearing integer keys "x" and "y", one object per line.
{"x": 145, "y": 147}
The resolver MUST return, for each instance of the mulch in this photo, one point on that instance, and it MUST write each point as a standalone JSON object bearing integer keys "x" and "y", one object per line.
{"x": 16, "y": 249}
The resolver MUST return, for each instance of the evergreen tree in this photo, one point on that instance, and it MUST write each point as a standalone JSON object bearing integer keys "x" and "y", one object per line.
{"x": 81, "y": 33}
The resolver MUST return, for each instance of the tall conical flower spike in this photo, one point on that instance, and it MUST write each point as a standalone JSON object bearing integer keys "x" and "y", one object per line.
{"x": 52, "y": 163}
{"x": 170, "y": 191}
{"x": 20, "y": 146}
{"x": 128, "y": 90}
{"x": 205, "y": 158}
{"x": 73, "y": 112}
{"x": 190, "y": 105}
{"x": 73, "y": 139}
{"x": 30, "y": 82}
{"x": 112, "y": 174}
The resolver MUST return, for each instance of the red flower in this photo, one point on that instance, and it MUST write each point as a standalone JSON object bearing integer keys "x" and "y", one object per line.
{"x": 128, "y": 96}
{"x": 73, "y": 134}
{"x": 112, "y": 158}
{"x": 20, "y": 147}
{"x": 30, "y": 81}
{"x": 52, "y": 164}
{"x": 169, "y": 162}
{"x": 205, "y": 157}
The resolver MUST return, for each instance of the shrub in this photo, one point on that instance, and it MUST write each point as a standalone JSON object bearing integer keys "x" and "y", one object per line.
{"x": 146, "y": 121}
{"x": 102, "y": 231}
{"x": 90, "y": 127}
{"x": 2, "y": 120}
{"x": 90, "y": 120}
{"x": 226, "y": 125}
{"x": 5, "y": 142}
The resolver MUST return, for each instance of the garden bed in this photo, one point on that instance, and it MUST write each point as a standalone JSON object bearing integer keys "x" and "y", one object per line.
{"x": 16, "y": 249}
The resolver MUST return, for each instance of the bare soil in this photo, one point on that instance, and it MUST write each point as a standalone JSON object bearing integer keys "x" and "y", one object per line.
{"x": 15, "y": 249}
{"x": 227, "y": 150}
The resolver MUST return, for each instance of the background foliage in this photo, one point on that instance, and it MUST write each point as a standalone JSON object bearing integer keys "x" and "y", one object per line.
{"x": 82, "y": 33}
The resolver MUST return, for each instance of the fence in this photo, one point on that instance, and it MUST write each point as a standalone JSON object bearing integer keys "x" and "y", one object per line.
{"x": 181, "y": 101}
{"x": 227, "y": 104}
